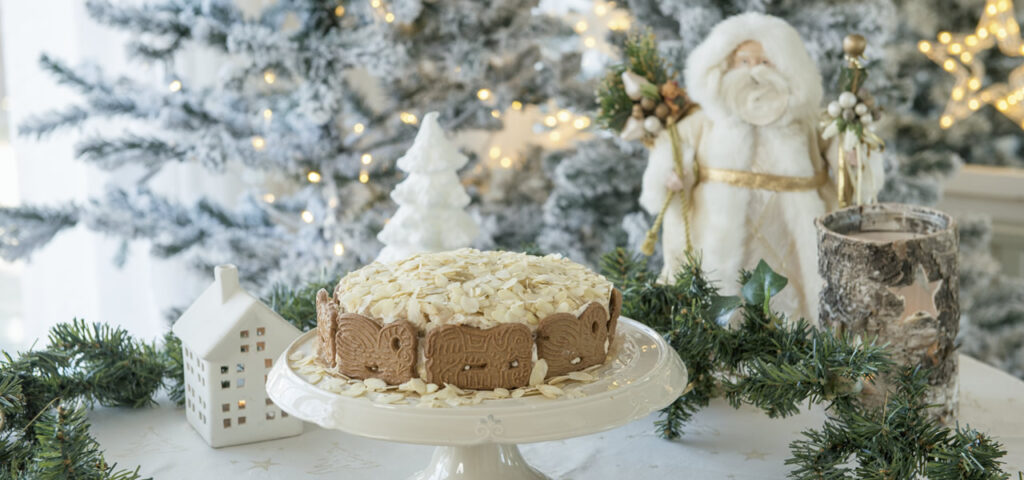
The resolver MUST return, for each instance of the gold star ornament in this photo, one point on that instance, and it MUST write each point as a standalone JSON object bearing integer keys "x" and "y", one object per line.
{"x": 957, "y": 53}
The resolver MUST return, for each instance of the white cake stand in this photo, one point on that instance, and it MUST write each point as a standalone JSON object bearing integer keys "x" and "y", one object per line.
{"x": 478, "y": 442}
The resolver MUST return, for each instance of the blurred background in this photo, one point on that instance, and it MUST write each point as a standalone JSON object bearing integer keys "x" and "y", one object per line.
{"x": 141, "y": 143}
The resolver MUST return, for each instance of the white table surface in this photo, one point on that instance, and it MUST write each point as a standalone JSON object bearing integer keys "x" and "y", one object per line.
{"x": 721, "y": 443}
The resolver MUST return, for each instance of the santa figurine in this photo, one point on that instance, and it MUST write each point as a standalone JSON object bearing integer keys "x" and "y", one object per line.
{"x": 754, "y": 170}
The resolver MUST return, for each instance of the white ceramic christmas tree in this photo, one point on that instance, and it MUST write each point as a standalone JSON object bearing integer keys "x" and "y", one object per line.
{"x": 430, "y": 216}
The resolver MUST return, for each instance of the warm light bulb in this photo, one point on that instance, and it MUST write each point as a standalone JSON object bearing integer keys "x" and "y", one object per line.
{"x": 517, "y": 105}
{"x": 258, "y": 142}
{"x": 581, "y": 26}
{"x": 958, "y": 93}
{"x": 313, "y": 176}
{"x": 506, "y": 162}
{"x": 982, "y": 33}
{"x": 408, "y": 118}
{"x": 375, "y": 3}
{"x": 581, "y": 123}
{"x": 307, "y": 216}
{"x": 973, "y": 104}
{"x": 924, "y": 46}
{"x": 974, "y": 83}
{"x": 1002, "y": 105}
{"x": 550, "y": 120}
{"x": 949, "y": 65}
{"x": 495, "y": 113}
{"x": 269, "y": 76}
{"x": 600, "y": 9}
{"x": 364, "y": 176}
{"x": 955, "y": 48}
{"x": 494, "y": 152}
{"x": 966, "y": 57}
{"x": 589, "y": 42}
{"x": 971, "y": 40}
{"x": 483, "y": 94}
{"x": 269, "y": 198}
{"x": 267, "y": 114}
{"x": 366, "y": 158}
{"x": 1003, "y": 5}
{"x": 564, "y": 116}
{"x": 945, "y": 37}
{"x": 946, "y": 121}
{"x": 339, "y": 11}
{"x": 358, "y": 128}
{"x": 174, "y": 86}
{"x": 339, "y": 249}
{"x": 389, "y": 17}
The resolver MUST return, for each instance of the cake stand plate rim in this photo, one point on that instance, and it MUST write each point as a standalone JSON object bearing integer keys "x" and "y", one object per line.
{"x": 653, "y": 378}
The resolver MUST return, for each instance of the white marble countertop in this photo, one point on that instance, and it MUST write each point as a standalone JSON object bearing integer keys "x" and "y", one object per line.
{"x": 721, "y": 443}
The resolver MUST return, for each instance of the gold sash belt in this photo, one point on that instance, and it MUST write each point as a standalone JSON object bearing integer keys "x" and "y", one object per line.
{"x": 763, "y": 181}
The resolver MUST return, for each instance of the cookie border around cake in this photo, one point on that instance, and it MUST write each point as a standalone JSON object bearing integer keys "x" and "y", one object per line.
{"x": 361, "y": 347}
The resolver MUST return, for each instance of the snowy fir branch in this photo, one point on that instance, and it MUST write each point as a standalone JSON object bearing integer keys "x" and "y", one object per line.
{"x": 776, "y": 364}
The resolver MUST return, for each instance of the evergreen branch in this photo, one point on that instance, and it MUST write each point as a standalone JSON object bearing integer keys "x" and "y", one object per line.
{"x": 23, "y": 229}
{"x": 128, "y": 149}
{"x": 44, "y": 124}
{"x": 297, "y": 304}
{"x": 174, "y": 368}
{"x": 776, "y": 365}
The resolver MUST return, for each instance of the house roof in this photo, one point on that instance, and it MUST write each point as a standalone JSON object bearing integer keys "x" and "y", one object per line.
{"x": 213, "y": 318}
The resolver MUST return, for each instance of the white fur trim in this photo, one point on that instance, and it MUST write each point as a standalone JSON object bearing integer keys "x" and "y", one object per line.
{"x": 782, "y": 46}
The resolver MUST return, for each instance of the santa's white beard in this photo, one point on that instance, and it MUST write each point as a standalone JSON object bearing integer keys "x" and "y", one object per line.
{"x": 758, "y": 95}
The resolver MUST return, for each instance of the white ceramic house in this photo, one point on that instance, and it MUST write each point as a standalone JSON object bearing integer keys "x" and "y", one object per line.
{"x": 229, "y": 342}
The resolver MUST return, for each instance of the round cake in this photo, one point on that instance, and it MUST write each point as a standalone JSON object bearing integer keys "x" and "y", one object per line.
{"x": 469, "y": 318}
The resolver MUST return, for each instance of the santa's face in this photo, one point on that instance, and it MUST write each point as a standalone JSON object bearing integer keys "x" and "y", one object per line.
{"x": 752, "y": 88}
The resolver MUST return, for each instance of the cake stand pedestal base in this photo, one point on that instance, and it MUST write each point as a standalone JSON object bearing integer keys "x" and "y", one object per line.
{"x": 480, "y": 462}
{"x": 478, "y": 442}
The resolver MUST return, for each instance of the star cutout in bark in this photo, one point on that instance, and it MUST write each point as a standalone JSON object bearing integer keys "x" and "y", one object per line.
{"x": 918, "y": 297}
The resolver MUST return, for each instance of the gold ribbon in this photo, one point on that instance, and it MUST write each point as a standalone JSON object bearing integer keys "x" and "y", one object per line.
{"x": 677, "y": 159}
{"x": 763, "y": 181}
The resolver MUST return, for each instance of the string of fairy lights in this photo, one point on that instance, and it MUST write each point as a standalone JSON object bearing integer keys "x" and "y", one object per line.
{"x": 555, "y": 124}
{"x": 957, "y": 53}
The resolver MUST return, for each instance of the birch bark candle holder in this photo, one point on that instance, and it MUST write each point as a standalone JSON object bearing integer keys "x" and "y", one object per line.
{"x": 890, "y": 272}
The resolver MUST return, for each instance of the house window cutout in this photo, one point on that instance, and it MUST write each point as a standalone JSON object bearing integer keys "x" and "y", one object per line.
{"x": 223, "y": 369}
{"x": 261, "y": 346}
{"x": 241, "y": 404}
{"x": 225, "y": 384}
{"x": 284, "y": 414}
{"x": 264, "y": 379}
{"x": 261, "y": 331}
{"x": 243, "y": 334}
{"x": 227, "y": 423}
{"x": 240, "y": 368}
{"x": 270, "y": 402}
{"x": 241, "y": 420}
{"x": 241, "y": 383}
{"x": 268, "y": 363}
{"x": 225, "y": 407}
{"x": 271, "y": 415}
{"x": 245, "y": 348}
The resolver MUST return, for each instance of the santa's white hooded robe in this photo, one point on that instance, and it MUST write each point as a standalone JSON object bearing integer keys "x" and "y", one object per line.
{"x": 733, "y": 227}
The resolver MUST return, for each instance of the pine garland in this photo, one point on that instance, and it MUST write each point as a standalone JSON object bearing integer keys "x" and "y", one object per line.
{"x": 768, "y": 361}
{"x": 776, "y": 364}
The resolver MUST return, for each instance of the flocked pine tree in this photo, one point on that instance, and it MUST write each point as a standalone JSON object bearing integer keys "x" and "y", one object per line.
{"x": 919, "y": 157}
{"x": 320, "y": 95}
{"x": 431, "y": 200}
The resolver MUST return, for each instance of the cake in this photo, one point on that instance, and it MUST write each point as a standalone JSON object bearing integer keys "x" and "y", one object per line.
{"x": 469, "y": 318}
